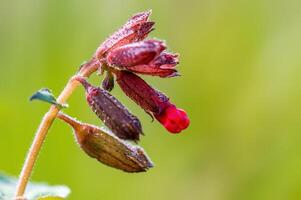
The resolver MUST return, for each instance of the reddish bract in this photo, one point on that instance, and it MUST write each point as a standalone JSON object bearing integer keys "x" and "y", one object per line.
{"x": 134, "y": 30}
{"x": 135, "y": 53}
{"x": 148, "y": 98}
{"x": 163, "y": 66}
{"x": 146, "y": 57}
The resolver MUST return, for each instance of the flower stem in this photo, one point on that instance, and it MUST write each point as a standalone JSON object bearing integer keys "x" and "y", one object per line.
{"x": 86, "y": 70}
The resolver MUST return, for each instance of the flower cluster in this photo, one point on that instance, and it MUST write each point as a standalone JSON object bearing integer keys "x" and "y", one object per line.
{"x": 123, "y": 55}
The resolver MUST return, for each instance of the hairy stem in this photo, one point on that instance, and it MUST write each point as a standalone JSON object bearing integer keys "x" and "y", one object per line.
{"x": 86, "y": 70}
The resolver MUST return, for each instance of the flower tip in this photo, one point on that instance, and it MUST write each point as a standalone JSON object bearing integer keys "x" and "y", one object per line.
{"x": 143, "y": 16}
{"x": 174, "y": 119}
{"x": 146, "y": 28}
{"x": 146, "y": 13}
{"x": 175, "y": 73}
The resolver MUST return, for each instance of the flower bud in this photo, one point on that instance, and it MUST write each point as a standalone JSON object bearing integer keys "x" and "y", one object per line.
{"x": 138, "y": 53}
{"x": 162, "y": 66}
{"x": 134, "y": 30}
{"x": 113, "y": 114}
{"x": 107, "y": 148}
{"x": 153, "y": 102}
{"x": 144, "y": 57}
{"x": 108, "y": 82}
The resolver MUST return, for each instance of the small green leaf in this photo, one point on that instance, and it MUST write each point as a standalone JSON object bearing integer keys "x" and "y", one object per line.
{"x": 45, "y": 95}
{"x": 34, "y": 191}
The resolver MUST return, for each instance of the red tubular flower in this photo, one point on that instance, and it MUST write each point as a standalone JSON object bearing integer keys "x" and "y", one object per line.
{"x": 152, "y": 101}
{"x": 146, "y": 57}
{"x": 135, "y": 29}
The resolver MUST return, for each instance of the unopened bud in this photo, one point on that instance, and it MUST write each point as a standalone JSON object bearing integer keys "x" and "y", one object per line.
{"x": 146, "y": 57}
{"x": 107, "y": 148}
{"x": 138, "y": 53}
{"x": 113, "y": 114}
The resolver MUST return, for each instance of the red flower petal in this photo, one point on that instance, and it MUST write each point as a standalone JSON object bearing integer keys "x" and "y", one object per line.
{"x": 173, "y": 119}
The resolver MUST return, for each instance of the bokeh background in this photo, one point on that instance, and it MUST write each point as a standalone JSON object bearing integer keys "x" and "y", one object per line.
{"x": 240, "y": 84}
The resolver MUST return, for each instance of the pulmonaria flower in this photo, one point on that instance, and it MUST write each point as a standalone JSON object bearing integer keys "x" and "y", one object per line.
{"x": 153, "y": 102}
{"x": 145, "y": 57}
{"x": 125, "y": 53}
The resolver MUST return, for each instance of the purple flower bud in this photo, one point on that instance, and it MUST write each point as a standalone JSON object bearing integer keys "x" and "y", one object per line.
{"x": 108, "y": 149}
{"x": 135, "y": 54}
{"x": 146, "y": 57}
{"x": 134, "y": 30}
{"x": 113, "y": 114}
{"x": 162, "y": 66}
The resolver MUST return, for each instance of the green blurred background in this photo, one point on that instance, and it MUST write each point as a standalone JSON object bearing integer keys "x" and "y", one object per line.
{"x": 240, "y": 84}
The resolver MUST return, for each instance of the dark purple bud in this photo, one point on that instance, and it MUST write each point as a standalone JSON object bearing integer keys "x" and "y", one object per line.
{"x": 108, "y": 82}
{"x": 134, "y": 30}
{"x": 113, "y": 114}
{"x": 138, "y": 53}
{"x": 107, "y": 148}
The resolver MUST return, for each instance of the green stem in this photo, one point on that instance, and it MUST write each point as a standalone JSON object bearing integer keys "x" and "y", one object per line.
{"x": 86, "y": 70}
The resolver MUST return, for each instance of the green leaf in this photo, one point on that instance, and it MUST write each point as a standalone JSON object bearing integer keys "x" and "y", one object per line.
{"x": 34, "y": 191}
{"x": 46, "y": 95}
